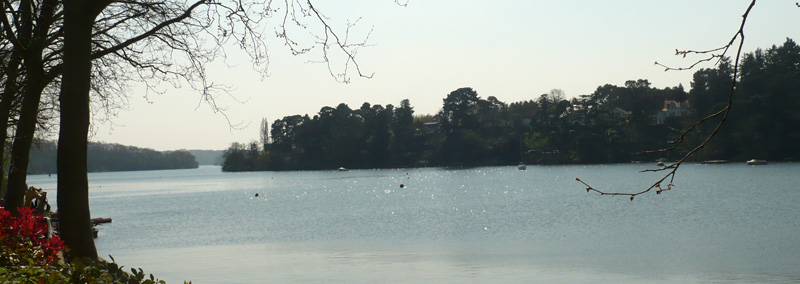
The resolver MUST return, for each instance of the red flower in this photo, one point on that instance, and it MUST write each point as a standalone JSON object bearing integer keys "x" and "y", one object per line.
{"x": 28, "y": 232}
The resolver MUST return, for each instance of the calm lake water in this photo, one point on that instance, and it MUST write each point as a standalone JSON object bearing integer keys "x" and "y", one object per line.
{"x": 728, "y": 223}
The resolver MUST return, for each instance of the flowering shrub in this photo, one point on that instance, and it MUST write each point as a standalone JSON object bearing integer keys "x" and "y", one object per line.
{"x": 28, "y": 256}
{"x": 25, "y": 238}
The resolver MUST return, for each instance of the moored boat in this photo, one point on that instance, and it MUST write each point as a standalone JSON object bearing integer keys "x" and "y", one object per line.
{"x": 755, "y": 162}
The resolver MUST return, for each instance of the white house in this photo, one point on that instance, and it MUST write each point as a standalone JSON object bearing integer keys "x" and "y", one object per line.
{"x": 673, "y": 109}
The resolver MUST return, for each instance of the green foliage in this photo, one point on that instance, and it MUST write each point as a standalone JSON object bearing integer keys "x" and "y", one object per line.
{"x": 460, "y": 110}
{"x": 608, "y": 126}
{"x": 765, "y": 118}
{"x": 113, "y": 157}
{"x": 77, "y": 271}
{"x": 535, "y": 140}
{"x": 241, "y": 158}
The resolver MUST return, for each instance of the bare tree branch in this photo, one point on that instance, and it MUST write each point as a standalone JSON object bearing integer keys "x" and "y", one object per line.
{"x": 9, "y": 33}
{"x": 348, "y": 49}
{"x": 150, "y": 32}
{"x": 673, "y": 168}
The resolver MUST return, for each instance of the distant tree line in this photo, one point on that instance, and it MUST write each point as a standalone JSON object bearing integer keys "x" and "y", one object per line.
{"x": 611, "y": 125}
{"x": 105, "y": 157}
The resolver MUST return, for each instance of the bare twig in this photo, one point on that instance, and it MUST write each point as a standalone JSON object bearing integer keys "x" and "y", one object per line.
{"x": 327, "y": 39}
{"x": 163, "y": 42}
{"x": 673, "y": 168}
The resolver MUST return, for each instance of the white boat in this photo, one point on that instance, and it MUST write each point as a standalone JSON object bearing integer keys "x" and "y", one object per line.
{"x": 755, "y": 162}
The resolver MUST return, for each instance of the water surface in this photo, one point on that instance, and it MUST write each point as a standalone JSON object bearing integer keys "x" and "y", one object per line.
{"x": 721, "y": 224}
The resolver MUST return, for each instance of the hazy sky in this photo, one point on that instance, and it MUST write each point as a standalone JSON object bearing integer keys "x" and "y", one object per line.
{"x": 513, "y": 50}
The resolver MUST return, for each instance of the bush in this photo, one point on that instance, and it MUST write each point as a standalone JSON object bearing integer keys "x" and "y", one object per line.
{"x": 77, "y": 271}
{"x": 28, "y": 255}
{"x": 25, "y": 238}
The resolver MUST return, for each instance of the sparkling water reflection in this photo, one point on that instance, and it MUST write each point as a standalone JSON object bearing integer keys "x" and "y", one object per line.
{"x": 723, "y": 223}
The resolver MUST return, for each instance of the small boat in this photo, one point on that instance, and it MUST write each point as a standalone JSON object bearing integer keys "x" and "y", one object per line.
{"x": 98, "y": 221}
{"x": 712, "y": 162}
{"x": 522, "y": 167}
{"x": 342, "y": 169}
{"x": 755, "y": 162}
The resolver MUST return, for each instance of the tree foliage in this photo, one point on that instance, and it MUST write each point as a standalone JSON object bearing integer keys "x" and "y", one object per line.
{"x": 613, "y": 124}
{"x": 766, "y": 123}
{"x": 104, "y": 157}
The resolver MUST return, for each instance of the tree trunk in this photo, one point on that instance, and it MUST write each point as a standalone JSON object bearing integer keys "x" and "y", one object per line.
{"x": 20, "y": 151}
{"x": 73, "y": 182}
{"x": 33, "y": 36}
{"x": 26, "y": 47}
{"x": 5, "y": 112}
{"x": 10, "y": 91}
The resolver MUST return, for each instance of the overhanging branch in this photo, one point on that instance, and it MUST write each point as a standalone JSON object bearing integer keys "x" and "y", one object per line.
{"x": 673, "y": 168}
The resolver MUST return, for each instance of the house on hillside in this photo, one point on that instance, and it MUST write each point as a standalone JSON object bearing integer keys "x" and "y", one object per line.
{"x": 430, "y": 127}
{"x": 576, "y": 114}
{"x": 673, "y": 109}
{"x": 620, "y": 114}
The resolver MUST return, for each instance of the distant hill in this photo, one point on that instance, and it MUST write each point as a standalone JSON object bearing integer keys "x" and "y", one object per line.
{"x": 104, "y": 157}
{"x": 208, "y": 157}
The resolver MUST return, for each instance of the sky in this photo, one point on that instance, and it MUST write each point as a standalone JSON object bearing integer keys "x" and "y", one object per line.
{"x": 513, "y": 50}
